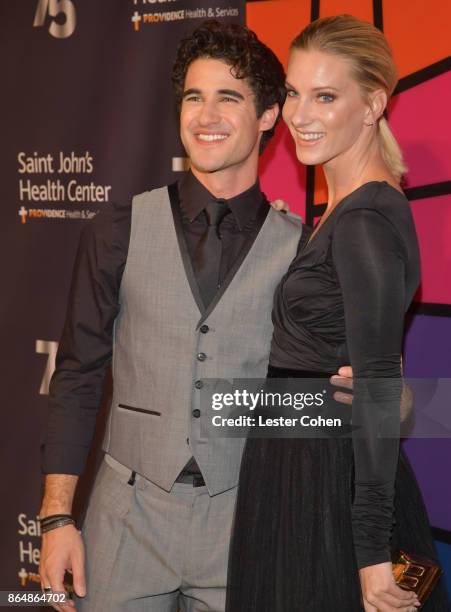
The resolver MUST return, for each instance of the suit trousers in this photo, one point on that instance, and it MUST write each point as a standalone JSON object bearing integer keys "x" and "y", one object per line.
{"x": 152, "y": 550}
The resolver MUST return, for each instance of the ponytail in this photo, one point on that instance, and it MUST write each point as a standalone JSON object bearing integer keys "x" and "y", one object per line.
{"x": 391, "y": 151}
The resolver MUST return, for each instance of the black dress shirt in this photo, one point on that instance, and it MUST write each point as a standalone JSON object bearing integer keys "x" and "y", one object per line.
{"x": 86, "y": 346}
{"x": 237, "y": 230}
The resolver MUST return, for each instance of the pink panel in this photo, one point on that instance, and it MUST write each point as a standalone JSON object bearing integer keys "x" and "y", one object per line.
{"x": 433, "y": 223}
{"x": 281, "y": 175}
{"x": 420, "y": 121}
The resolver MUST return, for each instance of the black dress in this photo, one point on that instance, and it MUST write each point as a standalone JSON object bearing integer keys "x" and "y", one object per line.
{"x": 311, "y": 512}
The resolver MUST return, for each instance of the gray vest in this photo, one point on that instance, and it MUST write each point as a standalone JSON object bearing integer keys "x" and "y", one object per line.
{"x": 164, "y": 345}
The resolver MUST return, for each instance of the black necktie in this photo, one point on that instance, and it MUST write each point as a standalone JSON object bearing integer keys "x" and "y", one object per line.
{"x": 208, "y": 253}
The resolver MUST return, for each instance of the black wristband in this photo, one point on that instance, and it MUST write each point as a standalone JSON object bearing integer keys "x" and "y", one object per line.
{"x": 52, "y": 517}
{"x": 62, "y": 522}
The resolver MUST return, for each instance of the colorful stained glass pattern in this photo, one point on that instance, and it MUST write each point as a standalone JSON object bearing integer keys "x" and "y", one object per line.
{"x": 418, "y": 32}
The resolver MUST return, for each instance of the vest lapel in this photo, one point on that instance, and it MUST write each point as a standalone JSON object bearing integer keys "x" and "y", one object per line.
{"x": 189, "y": 271}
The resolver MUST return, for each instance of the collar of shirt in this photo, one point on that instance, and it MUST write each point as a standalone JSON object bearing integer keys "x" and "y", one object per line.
{"x": 194, "y": 197}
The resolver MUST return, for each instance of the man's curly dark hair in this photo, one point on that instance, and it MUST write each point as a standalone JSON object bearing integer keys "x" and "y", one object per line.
{"x": 247, "y": 56}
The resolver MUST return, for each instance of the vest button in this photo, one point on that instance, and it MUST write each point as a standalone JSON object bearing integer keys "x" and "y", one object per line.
{"x": 196, "y": 413}
{"x": 205, "y": 329}
{"x": 201, "y": 356}
{"x": 198, "y": 384}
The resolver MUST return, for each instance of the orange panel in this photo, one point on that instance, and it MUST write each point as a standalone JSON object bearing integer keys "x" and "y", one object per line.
{"x": 320, "y": 196}
{"x": 418, "y": 32}
{"x": 416, "y": 29}
{"x": 277, "y": 22}
{"x": 363, "y": 9}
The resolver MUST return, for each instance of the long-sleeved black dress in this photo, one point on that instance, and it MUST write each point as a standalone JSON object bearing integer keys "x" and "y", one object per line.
{"x": 311, "y": 512}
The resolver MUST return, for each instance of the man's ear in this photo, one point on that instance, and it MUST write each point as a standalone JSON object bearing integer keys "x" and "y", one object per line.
{"x": 376, "y": 106}
{"x": 269, "y": 118}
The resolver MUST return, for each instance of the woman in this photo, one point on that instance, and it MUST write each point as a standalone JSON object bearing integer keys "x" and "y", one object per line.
{"x": 314, "y": 520}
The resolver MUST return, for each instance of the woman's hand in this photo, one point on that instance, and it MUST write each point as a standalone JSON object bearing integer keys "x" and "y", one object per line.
{"x": 382, "y": 594}
{"x": 280, "y": 205}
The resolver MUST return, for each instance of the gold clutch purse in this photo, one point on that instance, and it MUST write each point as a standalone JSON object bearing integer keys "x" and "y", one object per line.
{"x": 416, "y": 573}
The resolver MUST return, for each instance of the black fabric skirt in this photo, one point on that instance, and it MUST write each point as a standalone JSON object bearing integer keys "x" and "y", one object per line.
{"x": 292, "y": 547}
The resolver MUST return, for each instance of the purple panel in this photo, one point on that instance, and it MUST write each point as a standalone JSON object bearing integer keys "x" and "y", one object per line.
{"x": 427, "y": 350}
{"x": 431, "y": 461}
{"x": 428, "y": 354}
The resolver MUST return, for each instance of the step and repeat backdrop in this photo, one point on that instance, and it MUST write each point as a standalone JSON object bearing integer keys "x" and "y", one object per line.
{"x": 89, "y": 118}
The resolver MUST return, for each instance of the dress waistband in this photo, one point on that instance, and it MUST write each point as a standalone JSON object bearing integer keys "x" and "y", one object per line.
{"x": 275, "y": 372}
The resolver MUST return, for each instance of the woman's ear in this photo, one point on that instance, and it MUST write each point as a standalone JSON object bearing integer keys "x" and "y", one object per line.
{"x": 376, "y": 106}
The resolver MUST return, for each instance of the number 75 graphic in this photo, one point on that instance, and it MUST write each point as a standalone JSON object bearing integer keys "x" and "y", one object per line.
{"x": 47, "y": 347}
{"x": 53, "y": 8}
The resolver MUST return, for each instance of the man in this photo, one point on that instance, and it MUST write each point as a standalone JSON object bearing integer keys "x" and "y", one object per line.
{"x": 178, "y": 289}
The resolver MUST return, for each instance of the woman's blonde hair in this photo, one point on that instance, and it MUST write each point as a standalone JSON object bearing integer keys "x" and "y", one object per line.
{"x": 372, "y": 64}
